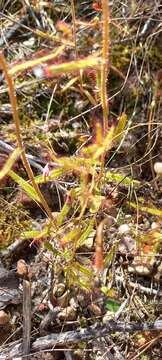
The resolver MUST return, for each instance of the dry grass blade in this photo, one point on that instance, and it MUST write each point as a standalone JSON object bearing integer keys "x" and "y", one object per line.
{"x": 26, "y": 317}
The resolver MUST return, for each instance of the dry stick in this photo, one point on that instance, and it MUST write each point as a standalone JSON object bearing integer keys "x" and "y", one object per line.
{"x": 76, "y": 336}
{"x": 26, "y": 317}
{"x": 140, "y": 288}
{"x": 26, "y": 164}
{"x": 104, "y": 345}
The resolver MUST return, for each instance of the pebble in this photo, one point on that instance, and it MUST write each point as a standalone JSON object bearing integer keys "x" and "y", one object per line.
{"x": 127, "y": 245}
{"x": 123, "y": 229}
{"x": 30, "y": 42}
{"x": 108, "y": 316}
{"x": 158, "y": 168}
{"x": 154, "y": 225}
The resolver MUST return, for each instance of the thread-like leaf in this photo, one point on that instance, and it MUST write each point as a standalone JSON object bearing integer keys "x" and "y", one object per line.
{"x": 69, "y": 84}
{"x": 71, "y": 66}
{"x": 32, "y": 63}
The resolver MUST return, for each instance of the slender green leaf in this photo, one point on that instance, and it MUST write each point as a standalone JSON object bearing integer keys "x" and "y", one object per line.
{"x": 64, "y": 211}
{"x": 29, "y": 234}
{"x": 32, "y": 63}
{"x": 24, "y": 185}
{"x": 85, "y": 234}
{"x": 127, "y": 181}
{"x": 50, "y": 247}
{"x": 109, "y": 256}
{"x": 10, "y": 162}
{"x": 66, "y": 165}
{"x": 118, "y": 133}
{"x": 80, "y": 268}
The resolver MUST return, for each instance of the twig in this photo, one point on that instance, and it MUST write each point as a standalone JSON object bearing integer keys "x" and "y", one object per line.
{"x": 105, "y": 345}
{"x": 76, "y": 336}
{"x": 26, "y": 317}
{"x": 50, "y": 317}
{"x": 103, "y": 350}
{"x": 118, "y": 354}
{"x": 68, "y": 355}
{"x": 140, "y": 287}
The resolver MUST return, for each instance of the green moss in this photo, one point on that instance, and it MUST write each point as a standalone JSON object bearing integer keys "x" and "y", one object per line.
{"x": 120, "y": 55}
{"x": 154, "y": 55}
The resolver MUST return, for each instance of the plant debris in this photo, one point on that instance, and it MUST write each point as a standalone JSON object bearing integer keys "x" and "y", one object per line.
{"x": 80, "y": 180}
